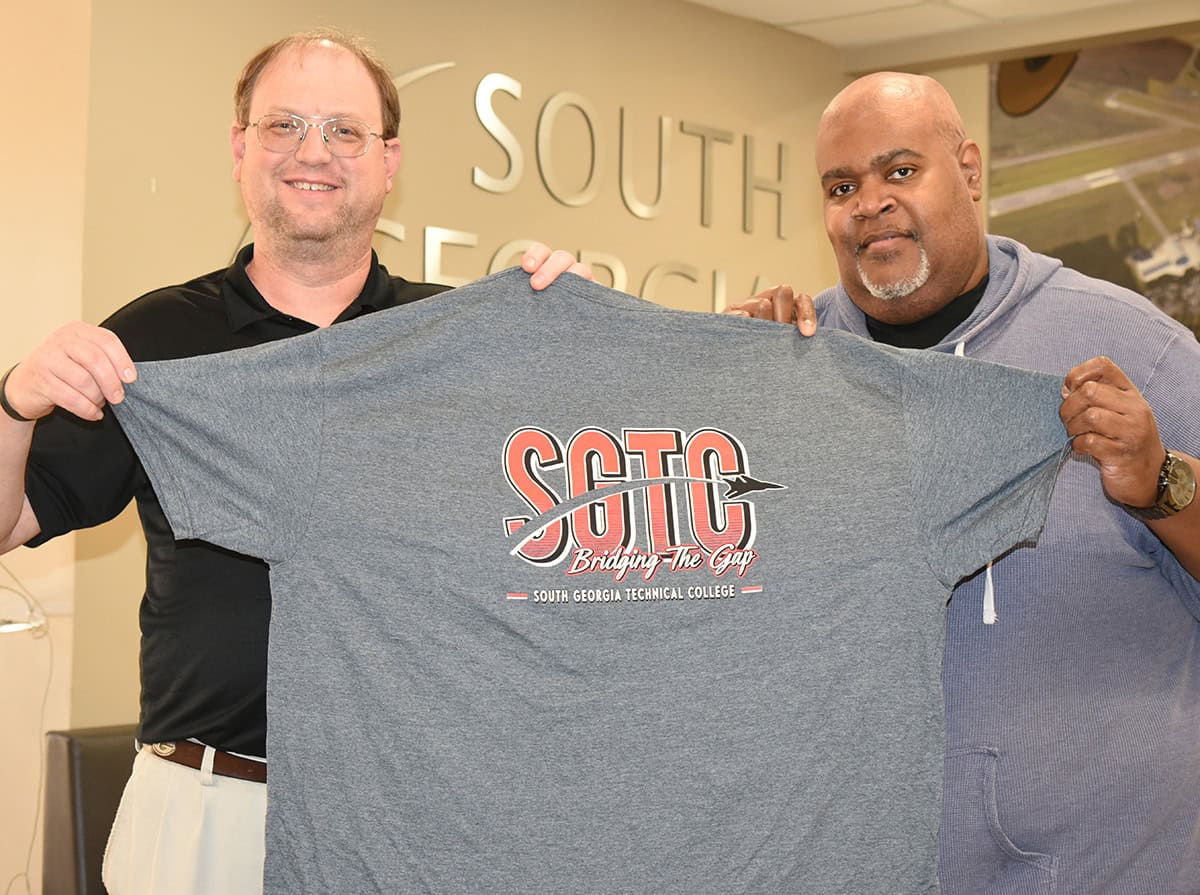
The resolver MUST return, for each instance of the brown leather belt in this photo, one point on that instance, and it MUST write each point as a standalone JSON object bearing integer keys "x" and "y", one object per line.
{"x": 190, "y": 754}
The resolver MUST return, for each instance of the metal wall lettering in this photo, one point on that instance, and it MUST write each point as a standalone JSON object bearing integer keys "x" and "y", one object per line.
{"x": 435, "y": 238}
{"x": 708, "y": 135}
{"x": 661, "y": 271}
{"x": 778, "y": 183}
{"x": 391, "y": 228}
{"x": 611, "y": 263}
{"x": 590, "y": 150}
{"x": 636, "y": 206}
{"x": 507, "y": 254}
{"x": 720, "y": 289}
{"x": 488, "y": 86}
{"x": 752, "y": 182}
{"x": 545, "y": 156}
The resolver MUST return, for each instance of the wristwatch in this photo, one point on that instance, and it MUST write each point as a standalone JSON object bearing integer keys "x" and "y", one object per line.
{"x": 1176, "y": 490}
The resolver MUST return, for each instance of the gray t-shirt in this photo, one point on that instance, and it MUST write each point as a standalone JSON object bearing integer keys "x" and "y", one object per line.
{"x": 574, "y": 593}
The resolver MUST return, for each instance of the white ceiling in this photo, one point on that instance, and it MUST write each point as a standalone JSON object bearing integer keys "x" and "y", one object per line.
{"x": 876, "y": 33}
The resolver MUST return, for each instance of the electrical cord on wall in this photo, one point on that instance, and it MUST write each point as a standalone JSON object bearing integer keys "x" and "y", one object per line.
{"x": 40, "y": 632}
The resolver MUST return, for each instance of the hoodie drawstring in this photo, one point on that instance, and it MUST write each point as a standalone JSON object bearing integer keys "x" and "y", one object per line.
{"x": 989, "y": 588}
{"x": 989, "y": 598}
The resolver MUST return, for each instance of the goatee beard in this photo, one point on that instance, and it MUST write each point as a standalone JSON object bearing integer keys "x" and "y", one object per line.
{"x": 900, "y": 288}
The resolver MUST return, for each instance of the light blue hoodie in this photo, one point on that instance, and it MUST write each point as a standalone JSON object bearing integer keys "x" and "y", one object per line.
{"x": 1073, "y": 714}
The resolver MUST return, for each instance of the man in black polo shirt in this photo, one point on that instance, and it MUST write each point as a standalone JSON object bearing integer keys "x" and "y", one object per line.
{"x": 315, "y": 150}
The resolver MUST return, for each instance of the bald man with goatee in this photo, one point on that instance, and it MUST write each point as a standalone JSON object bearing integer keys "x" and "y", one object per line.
{"x": 1072, "y": 668}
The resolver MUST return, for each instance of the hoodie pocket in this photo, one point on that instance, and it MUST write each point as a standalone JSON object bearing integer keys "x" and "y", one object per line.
{"x": 977, "y": 856}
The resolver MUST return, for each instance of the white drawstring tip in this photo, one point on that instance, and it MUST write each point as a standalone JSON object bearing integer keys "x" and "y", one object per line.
{"x": 989, "y": 598}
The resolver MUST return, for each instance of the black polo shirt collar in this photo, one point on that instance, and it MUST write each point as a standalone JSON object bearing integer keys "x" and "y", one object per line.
{"x": 245, "y": 305}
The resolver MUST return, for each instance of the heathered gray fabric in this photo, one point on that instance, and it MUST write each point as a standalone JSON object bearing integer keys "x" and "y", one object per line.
{"x": 431, "y": 730}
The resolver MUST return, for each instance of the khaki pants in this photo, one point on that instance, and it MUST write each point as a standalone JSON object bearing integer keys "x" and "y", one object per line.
{"x": 186, "y": 832}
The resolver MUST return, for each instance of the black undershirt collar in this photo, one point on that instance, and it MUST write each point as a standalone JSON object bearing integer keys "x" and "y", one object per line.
{"x": 930, "y": 331}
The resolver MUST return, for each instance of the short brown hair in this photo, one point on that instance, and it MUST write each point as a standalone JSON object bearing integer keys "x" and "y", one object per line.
{"x": 389, "y": 98}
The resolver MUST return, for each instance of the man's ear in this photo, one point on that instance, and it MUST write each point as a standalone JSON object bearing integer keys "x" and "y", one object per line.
{"x": 970, "y": 160}
{"x": 237, "y": 139}
{"x": 391, "y": 159}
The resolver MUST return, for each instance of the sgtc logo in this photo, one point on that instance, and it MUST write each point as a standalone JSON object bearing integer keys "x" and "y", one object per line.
{"x": 582, "y": 495}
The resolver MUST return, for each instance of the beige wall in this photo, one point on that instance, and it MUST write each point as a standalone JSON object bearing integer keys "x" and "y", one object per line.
{"x": 41, "y": 243}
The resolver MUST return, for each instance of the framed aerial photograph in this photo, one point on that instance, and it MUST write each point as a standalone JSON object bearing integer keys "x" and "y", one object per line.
{"x": 1095, "y": 159}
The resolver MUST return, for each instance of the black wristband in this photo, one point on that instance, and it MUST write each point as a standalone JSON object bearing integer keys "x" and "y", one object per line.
{"x": 4, "y": 405}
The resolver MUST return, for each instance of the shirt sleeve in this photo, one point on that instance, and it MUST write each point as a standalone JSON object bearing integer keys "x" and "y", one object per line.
{"x": 79, "y": 473}
{"x": 986, "y": 443}
{"x": 231, "y": 442}
{"x": 1174, "y": 394}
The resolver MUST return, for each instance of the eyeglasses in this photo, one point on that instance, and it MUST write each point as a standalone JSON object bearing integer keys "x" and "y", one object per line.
{"x": 343, "y": 137}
